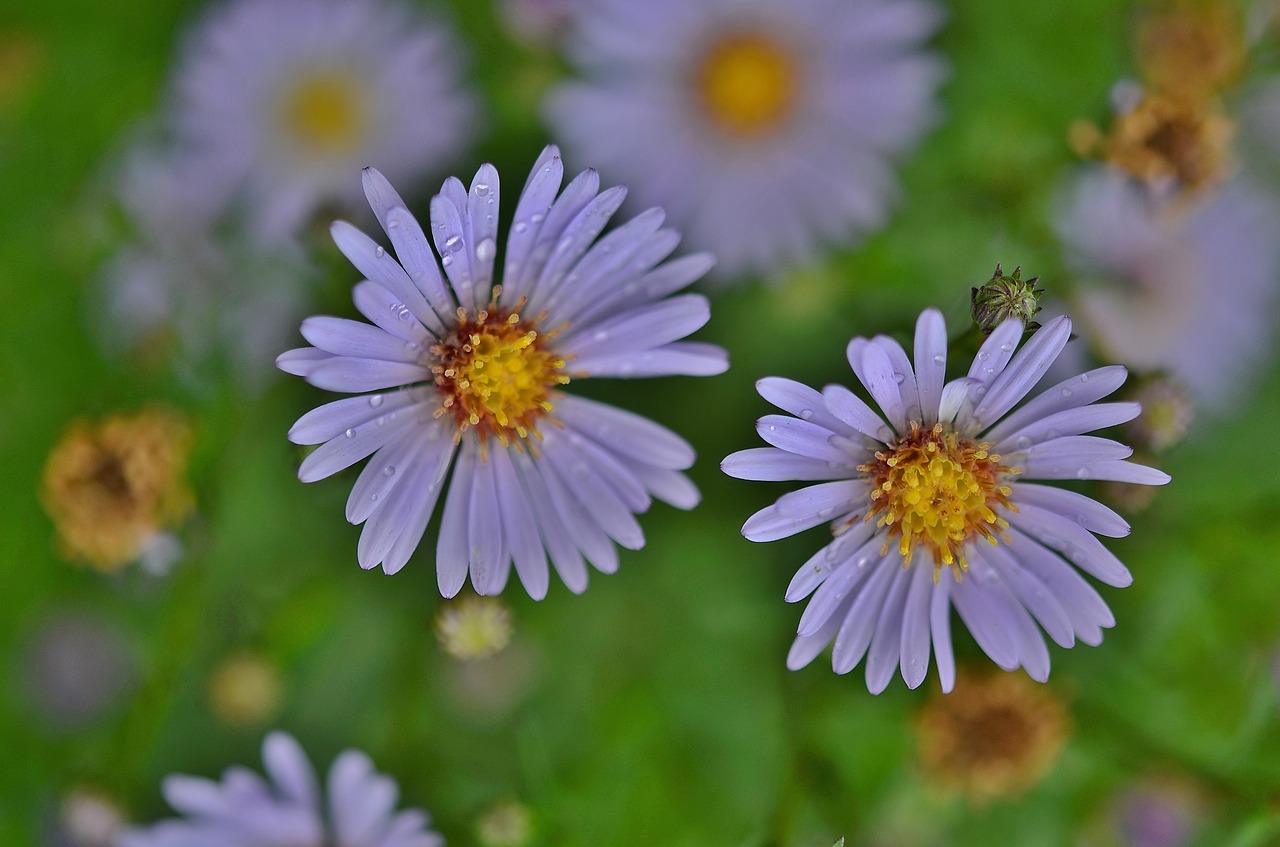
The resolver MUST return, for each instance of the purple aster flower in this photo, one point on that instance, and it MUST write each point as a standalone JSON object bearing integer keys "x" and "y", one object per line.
{"x": 300, "y": 93}
{"x": 1186, "y": 286}
{"x": 477, "y": 371}
{"x": 764, "y": 127}
{"x": 930, "y": 504}
{"x": 287, "y": 809}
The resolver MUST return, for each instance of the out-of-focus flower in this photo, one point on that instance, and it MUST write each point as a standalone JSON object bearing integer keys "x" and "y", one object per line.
{"x": 995, "y": 736}
{"x": 1175, "y": 144}
{"x": 485, "y": 692}
{"x": 1003, "y": 297}
{"x": 302, "y": 93}
{"x": 112, "y": 486}
{"x": 930, "y": 506}
{"x": 287, "y": 809}
{"x": 88, "y": 817}
{"x": 76, "y": 665}
{"x": 1160, "y": 812}
{"x": 478, "y": 368}
{"x": 193, "y": 286}
{"x": 505, "y": 824}
{"x": 245, "y": 689}
{"x": 474, "y": 628}
{"x": 1196, "y": 49}
{"x": 1188, "y": 289}
{"x": 764, "y": 128}
{"x": 1166, "y": 414}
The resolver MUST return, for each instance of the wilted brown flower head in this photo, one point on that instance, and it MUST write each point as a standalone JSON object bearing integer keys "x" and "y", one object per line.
{"x": 111, "y": 485}
{"x": 1168, "y": 137}
{"x": 994, "y": 736}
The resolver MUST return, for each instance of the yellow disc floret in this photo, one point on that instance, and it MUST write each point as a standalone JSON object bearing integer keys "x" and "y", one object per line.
{"x": 938, "y": 490}
{"x": 322, "y": 114}
{"x": 496, "y": 374}
{"x": 747, "y": 83}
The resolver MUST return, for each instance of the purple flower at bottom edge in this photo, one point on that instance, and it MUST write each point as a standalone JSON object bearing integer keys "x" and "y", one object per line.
{"x": 476, "y": 372}
{"x": 287, "y": 809}
{"x": 914, "y": 502}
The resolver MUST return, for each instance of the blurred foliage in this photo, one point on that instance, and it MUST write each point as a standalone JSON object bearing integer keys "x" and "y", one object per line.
{"x": 655, "y": 709}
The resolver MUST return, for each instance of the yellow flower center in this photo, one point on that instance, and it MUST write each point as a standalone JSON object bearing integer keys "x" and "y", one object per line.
{"x": 938, "y": 490}
{"x": 496, "y": 374}
{"x": 323, "y": 113}
{"x": 747, "y": 83}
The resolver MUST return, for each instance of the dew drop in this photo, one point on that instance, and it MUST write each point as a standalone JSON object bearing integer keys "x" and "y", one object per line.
{"x": 939, "y": 360}
{"x": 899, "y": 378}
{"x": 405, "y": 314}
{"x": 1023, "y": 443}
{"x": 446, "y": 259}
{"x": 485, "y": 250}
{"x": 453, "y": 243}
{"x": 983, "y": 355}
{"x": 351, "y": 433}
{"x": 481, "y": 188}
{"x": 1067, "y": 392}
{"x": 520, "y": 226}
{"x": 375, "y": 401}
{"x": 807, "y": 414}
{"x": 1083, "y": 473}
{"x": 772, "y": 428}
{"x": 393, "y": 223}
{"x": 1084, "y": 377}
{"x": 389, "y": 470}
{"x": 1006, "y": 347}
{"x": 379, "y": 251}
{"x": 374, "y": 497}
{"x": 537, "y": 217}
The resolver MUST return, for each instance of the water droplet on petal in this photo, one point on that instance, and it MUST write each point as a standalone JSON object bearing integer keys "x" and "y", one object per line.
{"x": 1083, "y": 473}
{"x": 453, "y": 243}
{"x": 351, "y": 433}
{"x": 807, "y": 414}
{"x": 983, "y": 355}
{"x": 520, "y": 226}
{"x": 393, "y": 223}
{"x": 380, "y": 252}
{"x": 376, "y": 400}
{"x": 389, "y": 470}
{"x": 772, "y": 428}
{"x": 481, "y": 188}
{"x": 1067, "y": 392}
{"x": 1084, "y": 377}
{"x": 1006, "y": 347}
{"x": 939, "y": 360}
{"x": 485, "y": 250}
{"x": 899, "y": 378}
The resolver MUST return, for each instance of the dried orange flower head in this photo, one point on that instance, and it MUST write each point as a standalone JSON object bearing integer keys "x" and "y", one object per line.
{"x": 1166, "y": 137}
{"x": 1193, "y": 49}
{"x": 994, "y": 736}
{"x": 111, "y": 485}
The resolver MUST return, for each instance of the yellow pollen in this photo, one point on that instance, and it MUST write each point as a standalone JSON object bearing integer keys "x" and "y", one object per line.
{"x": 938, "y": 490}
{"x": 322, "y": 113}
{"x": 497, "y": 375}
{"x": 747, "y": 82}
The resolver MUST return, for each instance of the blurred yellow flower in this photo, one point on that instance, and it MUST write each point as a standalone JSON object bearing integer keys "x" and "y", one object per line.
{"x": 994, "y": 736}
{"x": 474, "y": 628}
{"x": 110, "y": 486}
{"x": 245, "y": 689}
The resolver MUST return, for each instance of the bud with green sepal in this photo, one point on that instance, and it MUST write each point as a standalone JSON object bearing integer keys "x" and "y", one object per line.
{"x": 1003, "y": 297}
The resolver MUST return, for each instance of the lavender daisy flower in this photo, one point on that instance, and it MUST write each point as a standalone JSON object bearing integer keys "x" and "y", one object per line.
{"x": 287, "y": 809}
{"x": 930, "y": 504}
{"x": 1186, "y": 287}
{"x": 302, "y": 92}
{"x": 477, "y": 371}
{"x": 763, "y": 127}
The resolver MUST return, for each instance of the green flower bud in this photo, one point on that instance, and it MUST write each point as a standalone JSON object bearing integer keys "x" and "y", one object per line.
{"x": 1003, "y": 297}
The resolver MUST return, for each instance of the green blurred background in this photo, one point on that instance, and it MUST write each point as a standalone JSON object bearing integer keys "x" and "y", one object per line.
{"x": 655, "y": 708}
